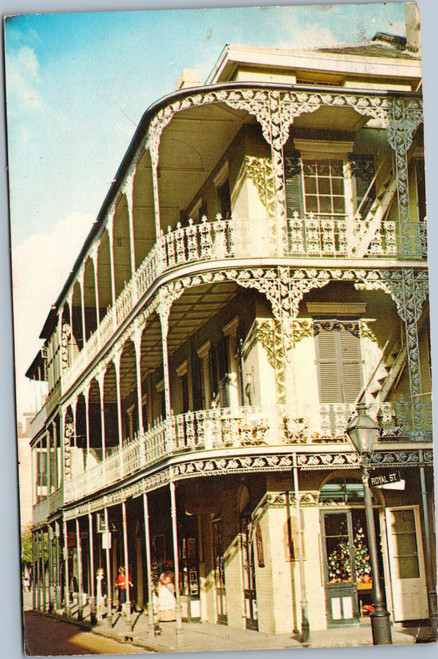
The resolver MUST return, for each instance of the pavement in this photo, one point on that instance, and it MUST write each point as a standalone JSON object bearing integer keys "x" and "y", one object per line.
{"x": 199, "y": 637}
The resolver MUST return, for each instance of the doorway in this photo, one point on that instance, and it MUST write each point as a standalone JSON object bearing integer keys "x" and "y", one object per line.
{"x": 347, "y": 567}
{"x": 249, "y": 583}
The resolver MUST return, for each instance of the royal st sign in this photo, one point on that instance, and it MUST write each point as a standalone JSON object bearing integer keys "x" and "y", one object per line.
{"x": 390, "y": 480}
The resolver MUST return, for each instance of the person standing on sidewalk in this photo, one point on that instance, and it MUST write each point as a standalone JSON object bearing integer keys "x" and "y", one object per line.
{"x": 120, "y": 584}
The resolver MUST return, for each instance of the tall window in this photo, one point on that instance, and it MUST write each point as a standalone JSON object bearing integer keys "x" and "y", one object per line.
{"x": 323, "y": 187}
{"x": 339, "y": 361}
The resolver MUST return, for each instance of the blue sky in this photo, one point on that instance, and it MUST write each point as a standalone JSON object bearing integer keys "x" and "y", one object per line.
{"x": 77, "y": 85}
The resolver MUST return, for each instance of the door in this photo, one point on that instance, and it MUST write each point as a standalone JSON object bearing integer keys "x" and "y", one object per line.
{"x": 219, "y": 574}
{"x": 249, "y": 584}
{"x": 348, "y": 579}
{"x": 340, "y": 586}
{"x": 408, "y": 581}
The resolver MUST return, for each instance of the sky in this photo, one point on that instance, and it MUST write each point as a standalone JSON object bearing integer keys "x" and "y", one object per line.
{"x": 77, "y": 85}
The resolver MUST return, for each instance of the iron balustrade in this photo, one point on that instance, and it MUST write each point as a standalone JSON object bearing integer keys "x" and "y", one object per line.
{"x": 235, "y": 238}
{"x": 217, "y": 429}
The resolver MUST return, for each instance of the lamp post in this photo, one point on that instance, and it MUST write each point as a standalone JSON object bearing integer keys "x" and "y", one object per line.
{"x": 363, "y": 432}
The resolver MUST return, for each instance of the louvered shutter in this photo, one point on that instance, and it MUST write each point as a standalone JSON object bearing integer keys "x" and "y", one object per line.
{"x": 339, "y": 366}
{"x": 349, "y": 345}
{"x": 328, "y": 368}
{"x": 293, "y": 184}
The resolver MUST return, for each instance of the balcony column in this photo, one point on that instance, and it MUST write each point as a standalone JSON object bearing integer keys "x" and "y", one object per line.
{"x": 109, "y": 599}
{"x": 110, "y": 229}
{"x": 72, "y": 336}
{"x": 66, "y": 570}
{"x": 305, "y": 626}
{"x": 47, "y": 436}
{"x": 164, "y": 312}
{"x": 45, "y": 568}
{"x": 36, "y": 576}
{"x": 94, "y": 258}
{"x": 58, "y": 566}
{"x": 81, "y": 277}
{"x": 126, "y": 561}
{"x": 154, "y": 162}
{"x": 74, "y": 466}
{"x": 101, "y": 382}
{"x": 87, "y": 423}
{"x": 50, "y": 547}
{"x": 150, "y": 605}
{"x": 34, "y": 559}
{"x": 116, "y": 362}
{"x": 136, "y": 340}
{"x": 129, "y": 193}
{"x": 79, "y": 564}
{"x": 175, "y": 558}
{"x": 91, "y": 550}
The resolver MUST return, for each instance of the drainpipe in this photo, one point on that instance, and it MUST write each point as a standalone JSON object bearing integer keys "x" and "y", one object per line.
{"x": 305, "y": 626}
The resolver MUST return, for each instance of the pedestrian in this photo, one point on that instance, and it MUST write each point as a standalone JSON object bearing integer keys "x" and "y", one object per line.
{"x": 166, "y": 602}
{"x": 120, "y": 584}
{"x": 26, "y": 579}
{"x": 100, "y": 596}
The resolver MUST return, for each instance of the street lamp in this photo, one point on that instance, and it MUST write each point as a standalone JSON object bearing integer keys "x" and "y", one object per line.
{"x": 363, "y": 432}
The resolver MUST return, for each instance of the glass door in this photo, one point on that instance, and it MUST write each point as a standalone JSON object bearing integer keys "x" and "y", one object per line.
{"x": 340, "y": 586}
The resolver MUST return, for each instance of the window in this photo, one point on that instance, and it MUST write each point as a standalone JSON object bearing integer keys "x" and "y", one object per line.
{"x": 318, "y": 179}
{"x": 339, "y": 362}
{"x": 323, "y": 182}
{"x": 205, "y": 374}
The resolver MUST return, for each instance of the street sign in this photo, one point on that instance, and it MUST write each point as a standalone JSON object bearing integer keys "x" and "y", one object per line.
{"x": 391, "y": 480}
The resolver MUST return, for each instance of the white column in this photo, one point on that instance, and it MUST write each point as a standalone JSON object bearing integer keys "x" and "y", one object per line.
{"x": 87, "y": 422}
{"x": 91, "y": 549}
{"x": 125, "y": 549}
{"x": 110, "y": 228}
{"x": 116, "y": 362}
{"x": 66, "y": 570}
{"x": 95, "y": 259}
{"x": 164, "y": 311}
{"x": 72, "y": 337}
{"x": 101, "y": 382}
{"x": 81, "y": 289}
{"x": 79, "y": 552}
{"x": 109, "y": 598}
{"x": 175, "y": 557}
{"x": 147, "y": 539}
{"x": 154, "y": 161}
{"x": 129, "y": 192}
{"x": 136, "y": 340}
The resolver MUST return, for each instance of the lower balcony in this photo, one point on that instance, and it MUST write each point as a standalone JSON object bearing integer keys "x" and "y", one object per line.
{"x": 47, "y": 506}
{"x": 220, "y": 429}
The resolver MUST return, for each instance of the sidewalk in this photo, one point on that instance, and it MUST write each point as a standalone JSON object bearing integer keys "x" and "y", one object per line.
{"x": 198, "y": 637}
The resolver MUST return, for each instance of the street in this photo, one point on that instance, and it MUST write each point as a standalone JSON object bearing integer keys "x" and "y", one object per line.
{"x": 45, "y": 636}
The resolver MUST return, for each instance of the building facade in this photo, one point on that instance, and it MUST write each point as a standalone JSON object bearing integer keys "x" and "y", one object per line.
{"x": 257, "y": 267}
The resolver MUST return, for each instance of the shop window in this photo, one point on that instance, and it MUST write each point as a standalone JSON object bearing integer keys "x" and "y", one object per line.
{"x": 339, "y": 361}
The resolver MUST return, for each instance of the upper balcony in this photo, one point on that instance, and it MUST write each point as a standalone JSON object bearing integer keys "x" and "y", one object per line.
{"x": 236, "y": 240}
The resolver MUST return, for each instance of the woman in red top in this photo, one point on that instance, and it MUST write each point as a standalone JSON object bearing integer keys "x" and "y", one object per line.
{"x": 120, "y": 584}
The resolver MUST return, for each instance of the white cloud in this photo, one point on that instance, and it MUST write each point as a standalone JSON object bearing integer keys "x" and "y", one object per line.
{"x": 22, "y": 73}
{"x": 40, "y": 267}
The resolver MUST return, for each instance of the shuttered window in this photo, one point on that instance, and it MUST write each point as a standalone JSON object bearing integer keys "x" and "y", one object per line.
{"x": 339, "y": 364}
